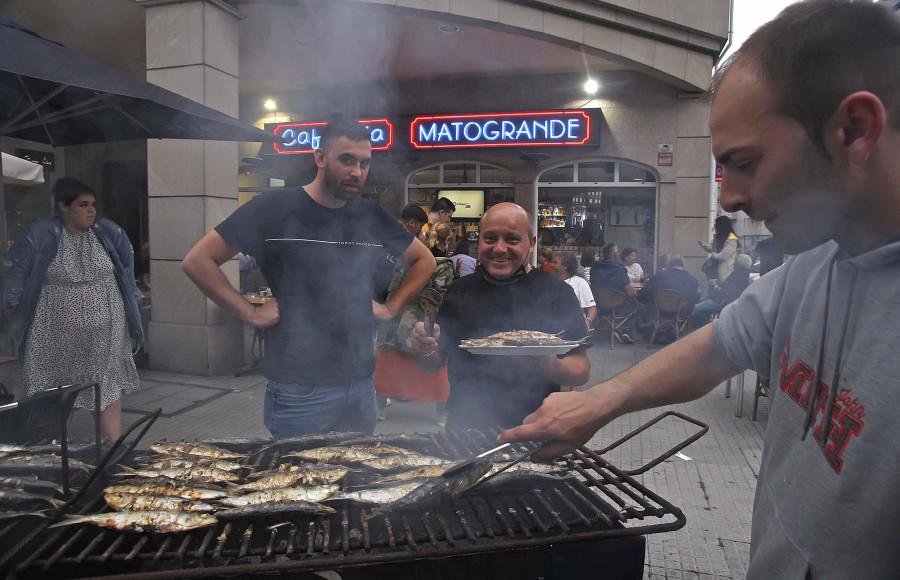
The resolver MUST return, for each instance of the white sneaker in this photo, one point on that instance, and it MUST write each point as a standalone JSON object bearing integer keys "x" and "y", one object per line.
{"x": 387, "y": 402}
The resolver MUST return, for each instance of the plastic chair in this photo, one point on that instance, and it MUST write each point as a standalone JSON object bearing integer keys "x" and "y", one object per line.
{"x": 608, "y": 302}
{"x": 669, "y": 304}
{"x": 762, "y": 390}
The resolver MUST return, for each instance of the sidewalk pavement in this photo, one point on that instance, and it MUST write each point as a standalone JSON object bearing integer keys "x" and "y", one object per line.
{"x": 713, "y": 483}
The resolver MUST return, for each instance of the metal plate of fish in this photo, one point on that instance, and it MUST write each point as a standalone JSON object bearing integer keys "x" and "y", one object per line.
{"x": 519, "y": 343}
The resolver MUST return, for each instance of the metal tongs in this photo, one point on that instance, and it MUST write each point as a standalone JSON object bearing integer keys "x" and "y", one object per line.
{"x": 515, "y": 460}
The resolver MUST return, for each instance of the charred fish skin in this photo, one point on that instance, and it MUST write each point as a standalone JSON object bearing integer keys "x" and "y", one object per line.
{"x": 295, "y": 507}
{"x": 193, "y": 461}
{"x": 169, "y": 487}
{"x": 13, "y": 498}
{"x": 334, "y": 454}
{"x": 146, "y": 502}
{"x": 274, "y": 481}
{"x": 197, "y": 448}
{"x": 168, "y": 521}
{"x": 313, "y": 494}
{"x": 380, "y": 495}
{"x": 311, "y": 474}
{"x": 437, "y": 490}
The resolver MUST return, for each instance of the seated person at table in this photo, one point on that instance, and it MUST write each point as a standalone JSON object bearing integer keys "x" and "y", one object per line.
{"x": 565, "y": 266}
{"x": 728, "y": 291}
{"x": 609, "y": 272}
{"x": 491, "y": 391}
{"x": 672, "y": 278}
{"x": 629, "y": 259}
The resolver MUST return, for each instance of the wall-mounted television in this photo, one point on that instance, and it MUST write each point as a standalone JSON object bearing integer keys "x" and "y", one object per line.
{"x": 469, "y": 202}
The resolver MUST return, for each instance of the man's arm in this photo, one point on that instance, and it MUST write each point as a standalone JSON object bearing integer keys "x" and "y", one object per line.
{"x": 421, "y": 267}
{"x": 685, "y": 370}
{"x": 202, "y": 265}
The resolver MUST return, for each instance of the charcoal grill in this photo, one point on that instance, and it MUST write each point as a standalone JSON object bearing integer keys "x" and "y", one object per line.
{"x": 600, "y": 507}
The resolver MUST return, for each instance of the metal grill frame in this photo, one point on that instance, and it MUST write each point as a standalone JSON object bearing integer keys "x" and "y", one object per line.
{"x": 610, "y": 504}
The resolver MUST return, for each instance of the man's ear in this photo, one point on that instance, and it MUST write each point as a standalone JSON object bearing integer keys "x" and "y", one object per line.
{"x": 857, "y": 126}
{"x": 319, "y": 155}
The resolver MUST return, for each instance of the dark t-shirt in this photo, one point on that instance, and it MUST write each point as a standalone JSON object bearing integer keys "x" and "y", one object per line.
{"x": 497, "y": 391}
{"x": 320, "y": 265}
{"x": 609, "y": 274}
{"x": 671, "y": 279}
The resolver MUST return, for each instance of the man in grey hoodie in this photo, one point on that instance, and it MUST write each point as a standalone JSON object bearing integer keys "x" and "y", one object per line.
{"x": 805, "y": 120}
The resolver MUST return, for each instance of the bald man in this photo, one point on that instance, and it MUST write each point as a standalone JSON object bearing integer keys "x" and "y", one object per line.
{"x": 494, "y": 391}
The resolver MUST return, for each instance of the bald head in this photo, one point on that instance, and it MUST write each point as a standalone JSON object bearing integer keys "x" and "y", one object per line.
{"x": 506, "y": 239}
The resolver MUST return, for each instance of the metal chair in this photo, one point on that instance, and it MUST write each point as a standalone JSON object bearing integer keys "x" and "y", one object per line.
{"x": 608, "y": 302}
{"x": 762, "y": 390}
{"x": 669, "y": 304}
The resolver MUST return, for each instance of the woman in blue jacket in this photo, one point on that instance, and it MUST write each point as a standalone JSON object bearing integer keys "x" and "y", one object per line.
{"x": 68, "y": 282}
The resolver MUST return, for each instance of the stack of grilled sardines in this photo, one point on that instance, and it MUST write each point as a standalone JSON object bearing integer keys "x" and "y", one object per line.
{"x": 28, "y": 479}
{"x": 182, "y": 486}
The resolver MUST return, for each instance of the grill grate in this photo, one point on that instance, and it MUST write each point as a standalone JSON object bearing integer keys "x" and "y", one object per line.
{"x": 595, "y": 501}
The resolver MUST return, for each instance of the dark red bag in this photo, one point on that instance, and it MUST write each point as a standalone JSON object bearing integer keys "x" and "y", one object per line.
{"x": 397, "y": 375}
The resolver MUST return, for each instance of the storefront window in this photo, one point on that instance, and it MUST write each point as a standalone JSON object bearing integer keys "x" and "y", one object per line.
{"x": 460, "y": 173}
{"x": 590, "y": 203}
{"x": 429, "y": 175}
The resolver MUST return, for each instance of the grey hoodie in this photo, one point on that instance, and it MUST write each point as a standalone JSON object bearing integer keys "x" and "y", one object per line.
{"x": 829, "y": 509}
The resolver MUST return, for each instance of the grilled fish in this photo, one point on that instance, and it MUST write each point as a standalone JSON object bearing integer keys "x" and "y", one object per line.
{"x": 394, "y": 462}
{"x": 13, "y": 515}
{"x": 169, "y": 487}
{"x": 192, "y": 461}
{"x": 144, "y": 502}
{"x": 168, "y": 521}
{"x": 517, "y": 338}
{"x": 416, "y": 440}
{"x": 32, "y": 484}
{"x": 378, "y": 495}
{"x": 315, "y": 494}
{"x": 278, "y": 479}
{"x": 529, "y": 466}
{"x": 205, "y": 474}
{"x": 312, "y": 441}
{"x": 40, "y": 461}
{"x": 417, "y": 473}
{"x": 438, "y": 490}
{"x": 279, "y": 508}
{"x": 16, "y": 498}
{"x": 311, "y": 473}
{"x": 334, "y": 454}
{"x": 520, "y": 481}
{"x": 196, "y": 448}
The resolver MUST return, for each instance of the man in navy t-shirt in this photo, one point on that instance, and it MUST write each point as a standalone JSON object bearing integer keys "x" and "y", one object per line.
{"x": 318, "y": 247}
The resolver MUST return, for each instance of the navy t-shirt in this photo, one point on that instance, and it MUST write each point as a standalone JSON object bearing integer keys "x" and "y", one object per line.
{"x": 320, "y": 264}
{"x": 497, "y": 391}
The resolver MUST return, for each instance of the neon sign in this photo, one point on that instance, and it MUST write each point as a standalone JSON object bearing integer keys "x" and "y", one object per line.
{"x": 305, "y": 137}
{"x": 501, "y": 130}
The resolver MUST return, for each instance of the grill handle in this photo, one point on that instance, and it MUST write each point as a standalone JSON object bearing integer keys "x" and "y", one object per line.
{"x": 654, "y": 462}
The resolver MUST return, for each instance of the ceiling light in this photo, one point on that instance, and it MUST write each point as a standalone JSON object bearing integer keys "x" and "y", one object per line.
{"x": 591, "y": 86}
{"x": 270, "y": 105}
{"x": 448, "y": 28}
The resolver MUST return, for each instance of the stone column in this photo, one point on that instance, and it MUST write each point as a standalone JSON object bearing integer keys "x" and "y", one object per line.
{"x": 192, "y": 49}
{"x": 692, "y": 170}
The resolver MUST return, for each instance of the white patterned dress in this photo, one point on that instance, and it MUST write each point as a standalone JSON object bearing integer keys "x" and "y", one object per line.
{"x": 79, "y": 333}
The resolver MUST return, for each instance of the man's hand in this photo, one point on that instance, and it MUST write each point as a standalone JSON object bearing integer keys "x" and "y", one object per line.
{"x": 423, "y": 344}
{"x": 382, "y": 312}
{"x": 567, "y": 419}
{"x": 266, "y": 315}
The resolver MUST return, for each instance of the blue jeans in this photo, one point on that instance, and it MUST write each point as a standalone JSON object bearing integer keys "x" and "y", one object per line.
{"x": 292, "y": 409}
{"x": 704, "y": 310}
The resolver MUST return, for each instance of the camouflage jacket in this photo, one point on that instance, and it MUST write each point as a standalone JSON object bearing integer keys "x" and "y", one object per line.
{"x": 397, "y": 332}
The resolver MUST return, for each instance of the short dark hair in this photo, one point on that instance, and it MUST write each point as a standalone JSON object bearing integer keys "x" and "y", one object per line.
{"x": 412, "y": 211}
{"x": 462, "y": 246}
{"x": 816, "y": 53}
{"x": 341, "y": 126}
{"x": 608, "y": 251}
{"x": 588, "y": 257}
{"x": 67, "y": 190}
{"x": 569, "y": 261}
{"x": 628, "y": 252}
{"x": 443, "y": 204}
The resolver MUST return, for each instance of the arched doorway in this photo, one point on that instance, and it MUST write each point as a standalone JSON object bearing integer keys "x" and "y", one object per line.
{"x": 585, "y": 204}
{"x": 473, "y": 186}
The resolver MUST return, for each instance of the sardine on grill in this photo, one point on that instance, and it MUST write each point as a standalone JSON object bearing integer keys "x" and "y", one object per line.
{"x": 31, "y": 483}
{"x": 314, "y": 494}
{"x": 195, "y": 448}
{"x": 438, "y": 490}
{"x": 18, "y": 499}
{"x": 204, "y": 474}
{"x": 168, "y": 521}
{"x": 142, "y": 502}
{"x": 170, "y": 487}
{"x": 311, "y": 473}
{"x": 280, "y": 508}
{"x": 410, "y": 461}
{"x": 335, "y": 454}
{"x": 423, "y": 472}
{"x": 193, "y": 461}
{"x": 378, "y": 495}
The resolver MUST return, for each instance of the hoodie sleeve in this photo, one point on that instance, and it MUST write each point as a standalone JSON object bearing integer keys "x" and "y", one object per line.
{"x": 745, "y": 327}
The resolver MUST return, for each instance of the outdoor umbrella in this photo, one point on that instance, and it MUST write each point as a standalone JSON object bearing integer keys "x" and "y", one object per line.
{"x": 53, "y": 95}
{"x": 18, "y": 171}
